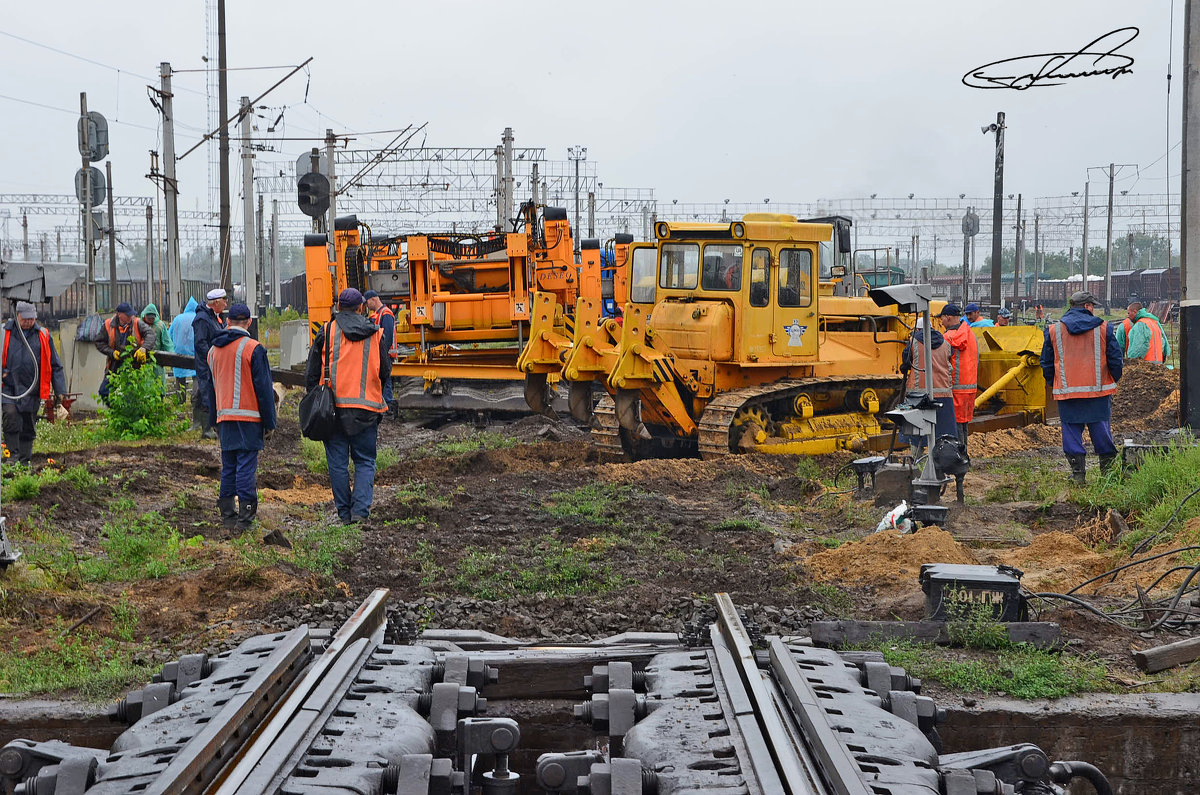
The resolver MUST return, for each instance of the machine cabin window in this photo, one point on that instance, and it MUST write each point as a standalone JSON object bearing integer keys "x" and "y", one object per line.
{"x": 760, "y": 286}
{"x": 722, "y": 268}
{"x": 795, "y": 277}
{"x": 641, "y": 288}
{"x": 680, "y": 266}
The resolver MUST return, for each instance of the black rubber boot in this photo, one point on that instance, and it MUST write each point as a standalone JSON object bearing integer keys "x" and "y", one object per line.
{"x": 1108, "y": 463}
{"x": 245, "y": 517}
{"x": 1078, "y": 463}
{"x": 229, "y": 514}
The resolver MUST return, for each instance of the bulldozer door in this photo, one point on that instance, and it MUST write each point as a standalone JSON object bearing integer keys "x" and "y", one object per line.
{"x": 794, "y": 331}
{"x": 758, "y": 318}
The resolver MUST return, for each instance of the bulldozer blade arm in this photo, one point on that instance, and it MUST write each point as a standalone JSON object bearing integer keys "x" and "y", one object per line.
{"x": 537, "y": 394}
{"x": 579, "y": 399}
{"x": 629, "y": 413}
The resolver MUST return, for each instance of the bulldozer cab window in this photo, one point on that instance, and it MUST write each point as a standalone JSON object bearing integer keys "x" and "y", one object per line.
{"x": 680, "y": 267}
{"x": 795, "y": 277}
{"x": 722, "y": 268}
{"x": 760, "y": 264}
{"x": 641, "y": 287}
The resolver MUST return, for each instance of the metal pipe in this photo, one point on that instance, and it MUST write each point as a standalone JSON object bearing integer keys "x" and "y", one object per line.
{"x": 1027, "y": 362}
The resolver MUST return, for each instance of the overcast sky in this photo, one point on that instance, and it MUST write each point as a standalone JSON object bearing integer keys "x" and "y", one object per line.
{"x": 702, "y": 101}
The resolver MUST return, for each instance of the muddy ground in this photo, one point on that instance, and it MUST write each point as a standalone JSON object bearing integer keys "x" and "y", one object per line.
{"x": 519, "y": 528}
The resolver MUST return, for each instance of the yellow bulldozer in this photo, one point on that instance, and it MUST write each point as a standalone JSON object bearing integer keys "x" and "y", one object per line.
{"x": 745, "y": 335}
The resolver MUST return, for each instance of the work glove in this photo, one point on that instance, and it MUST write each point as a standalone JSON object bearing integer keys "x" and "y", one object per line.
{"x": 117, "y": 355}
{"x": 140, "y": 355}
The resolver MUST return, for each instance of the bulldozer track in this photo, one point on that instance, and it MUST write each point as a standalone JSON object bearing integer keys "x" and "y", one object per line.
{"x": 717, "y": 420}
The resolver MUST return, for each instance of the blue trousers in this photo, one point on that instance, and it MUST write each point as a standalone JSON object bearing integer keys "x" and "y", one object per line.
{"x": 339, "y": 451}
{"x": 1101, "y": 433}
{"x": 387, "y": 391}
{"x": 239, "y": 470}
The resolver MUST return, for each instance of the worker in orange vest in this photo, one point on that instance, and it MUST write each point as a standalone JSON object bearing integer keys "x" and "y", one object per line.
{"x": 1141, "y": 335}
{"x": 114, "y": 337}
{"x": 31, "y": 372}
{"x": 964, "y": 366}
{"x": 912, "y": 363}
{"x": 381, "y": 315}
{"x": 245, "y": 414}
{"x": 356, "y": 350}
{"x": 1082, "y": 363}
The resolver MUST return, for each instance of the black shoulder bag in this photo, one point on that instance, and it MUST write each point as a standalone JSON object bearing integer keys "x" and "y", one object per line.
{"x": 318, "y": 414}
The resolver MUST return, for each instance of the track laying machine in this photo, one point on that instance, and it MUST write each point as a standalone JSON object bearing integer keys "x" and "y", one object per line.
{"x": 463, "y": 302}
{"x": 747, "y": 336}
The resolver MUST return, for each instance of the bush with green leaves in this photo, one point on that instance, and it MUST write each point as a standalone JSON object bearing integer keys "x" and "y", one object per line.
{"x": 136, "y": 408}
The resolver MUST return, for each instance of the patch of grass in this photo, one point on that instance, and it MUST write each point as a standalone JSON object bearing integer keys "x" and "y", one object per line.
{"x": 830, "y": 542}
{"x": 61, "y": 437}
{"x": 426, "y": 559}
{"x": 1040, "y": 483}
{"x": 973, "y": 625}
{"x": 145, "y": 547}
{"x": 125, "y": 619}
{"x": 596, "y": 503}
{"x": 96, "y": 667}
{"x": 547, "y": 566}
{"x": 318, "y": 548}
{"x": 831, "y": 598}
{"x": 1020, "y": 671}
{"x": 1150, "y": 494}
{"x": 808, "y": 469}
{"x": 386, "y": 457}
{"x": 482, "y": 440}
{"x": 742, "y": 490}
{"x": 415, "y": 493}
{"x": 25, "y": 486}
{"x": 735, "y": 524}
{"x": 313, "y": 453}
{"x": 82, "y": 479}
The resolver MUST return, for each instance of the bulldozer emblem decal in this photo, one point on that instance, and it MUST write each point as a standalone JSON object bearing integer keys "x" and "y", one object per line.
{"x": 795, "y": 333}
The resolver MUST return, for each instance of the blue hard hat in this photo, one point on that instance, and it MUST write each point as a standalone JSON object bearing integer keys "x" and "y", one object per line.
{"x": 350, "y": 297}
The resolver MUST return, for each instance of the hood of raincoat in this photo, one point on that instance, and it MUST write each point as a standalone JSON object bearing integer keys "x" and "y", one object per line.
{"x": 354, "y": 325}
{"x": 1078, "y": 320}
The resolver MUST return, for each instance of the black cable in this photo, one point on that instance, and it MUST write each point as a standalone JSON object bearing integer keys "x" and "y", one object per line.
{"x": 1150, "y": 538}
{"x": 1129, "y": 565}
{"x": 1080, "y": 603}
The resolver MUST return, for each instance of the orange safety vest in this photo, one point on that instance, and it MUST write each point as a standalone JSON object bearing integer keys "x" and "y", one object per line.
{"x": 1080, "y": 363}
{"x": 964, "y": 358}
{"x": 375, "y": 318}
{"x": 354, "y": 371}
{"x": 1155, "y": 352}
{"x": 111, "y": 326}
{"x": 941, "y": 370}
{"x": 234, "y": 382}
{"x": 43, "y": 368}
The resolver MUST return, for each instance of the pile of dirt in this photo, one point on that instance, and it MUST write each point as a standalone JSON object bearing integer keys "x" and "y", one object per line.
{"x": 1056, "y": 562}
{"x": 1144, "y": 390}
{"x": 1008, "y": 440}
{"x": 888, "y": 561}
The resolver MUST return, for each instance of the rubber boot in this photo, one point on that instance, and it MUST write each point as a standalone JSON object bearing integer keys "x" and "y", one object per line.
{"x": 1108, "y": 463}
{"x": 245, "y": 517}
{"x": 229, "y": 514}
{"x": 1078, "y": 463}
{"x": 199, "y": 415}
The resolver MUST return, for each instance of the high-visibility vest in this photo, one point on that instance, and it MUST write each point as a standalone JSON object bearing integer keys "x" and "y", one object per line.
{"x": 1080, "y": 363}
{"x": 941, "y": 370}
{"x": 234, "y": 382}
{"x": 43, "y": 366}
{"x": 378, "y": 316}
{"x": 1155, "y": 352}
{"x": 964, "y": 358}
{"x": 1127, "y": 324}
{"x": 354, "y": 371}
{"x": 110, "y": 326}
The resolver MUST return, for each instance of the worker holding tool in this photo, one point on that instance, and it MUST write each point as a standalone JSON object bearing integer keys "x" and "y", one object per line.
{"x": 161, "y": 338}
{"x": 381, "y": 315}
{"x": 912, "y": 363}
{"x": 245, "y": 409}
{"x": 114, "y": 337}
{"x": 964, "y": 366}
{"x": 975, "y": 316}
{"x": 32, "y": 372}
{"x": 1141, "y": 335}
{"x": 355, "y": 351}
{"x": 1081, "y": 360}
{"x": 205, "y": 327}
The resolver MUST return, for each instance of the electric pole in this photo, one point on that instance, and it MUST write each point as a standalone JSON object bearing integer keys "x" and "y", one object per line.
{"x": 577, "y": 153}
{"x": 150, "y": 254}
{"x": 275, "y": 254}
{"x": 175, "y": 301}
{"x": 1018, "y": 256}
{"x": 1086, "y": 188}
{"x": 25, "y": 236}
{"x": 997, "y": 206}
{"x": 112, "y": 238}
{"x": 249, "y": 248}
{"x": 330, "y": 151}
{"x": 1189, "y": 306}
{"x": 1108, "y": 244}
{"x": 226, "y": 267}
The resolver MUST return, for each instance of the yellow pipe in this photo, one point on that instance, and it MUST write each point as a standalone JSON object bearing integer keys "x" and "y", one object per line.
{"x": 1003, "y": 381}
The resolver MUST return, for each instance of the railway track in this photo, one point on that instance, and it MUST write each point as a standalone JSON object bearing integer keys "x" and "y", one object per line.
{"x": 371, "y": 709}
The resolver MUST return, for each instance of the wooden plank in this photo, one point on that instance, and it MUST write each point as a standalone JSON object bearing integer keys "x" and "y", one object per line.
{"x": 1161, "y": 658}
{"x": 1042, "y": 634}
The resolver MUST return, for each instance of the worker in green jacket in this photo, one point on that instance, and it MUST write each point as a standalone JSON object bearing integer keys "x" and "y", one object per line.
{"x": 162, "y": 337}
{"x": 1141, "y": 336}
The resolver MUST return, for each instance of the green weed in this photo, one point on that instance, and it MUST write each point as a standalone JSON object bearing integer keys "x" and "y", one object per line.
{"x": 483, "y": 440}
{"x": 426, "y": 559}
{"x": 318, "y": 548}
{"x": 973, "y": 625}
{"x": 25, "y": 486}
{"x": 136, "y": 549}
{"x": 82, "y": 479}
{"x": 596, "y": 503}
{"x": 125, "y": 619}
{"x": 61, "y": 437}
{"x": 739, "y": 525}
{"x": 808, "y": 469}
{"x": 547, "y": 566}
{"x": 313, "y": 453}
{"x": 831, "y": 597}
{"x": 97, "y": 668}
{"x": 136, "y": 406}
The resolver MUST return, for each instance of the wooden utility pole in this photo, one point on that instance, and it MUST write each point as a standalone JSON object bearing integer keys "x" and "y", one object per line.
{"x": 226, "y": 268}
{"x": 1189, "y": 205}
{"x": 249, "y": 244}
{"x": 112, "y": 239}
{"x": 175, "y": 299}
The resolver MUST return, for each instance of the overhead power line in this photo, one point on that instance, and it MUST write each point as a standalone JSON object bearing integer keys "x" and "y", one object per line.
{"x": 72, "y": 112}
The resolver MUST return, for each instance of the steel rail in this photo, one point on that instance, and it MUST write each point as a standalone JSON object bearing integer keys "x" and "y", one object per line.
{"x": 189, "y": 770}
{"x": 367, "y": 619}
{"x": 789, "y": 764}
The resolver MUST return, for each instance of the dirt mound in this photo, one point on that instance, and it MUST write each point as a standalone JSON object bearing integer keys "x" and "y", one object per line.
{"x": 1143, "y": 390}
{"x": 1055, "y": 562}
{"x": 889, "y": 561}
{"x": 1003, "y": 442}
